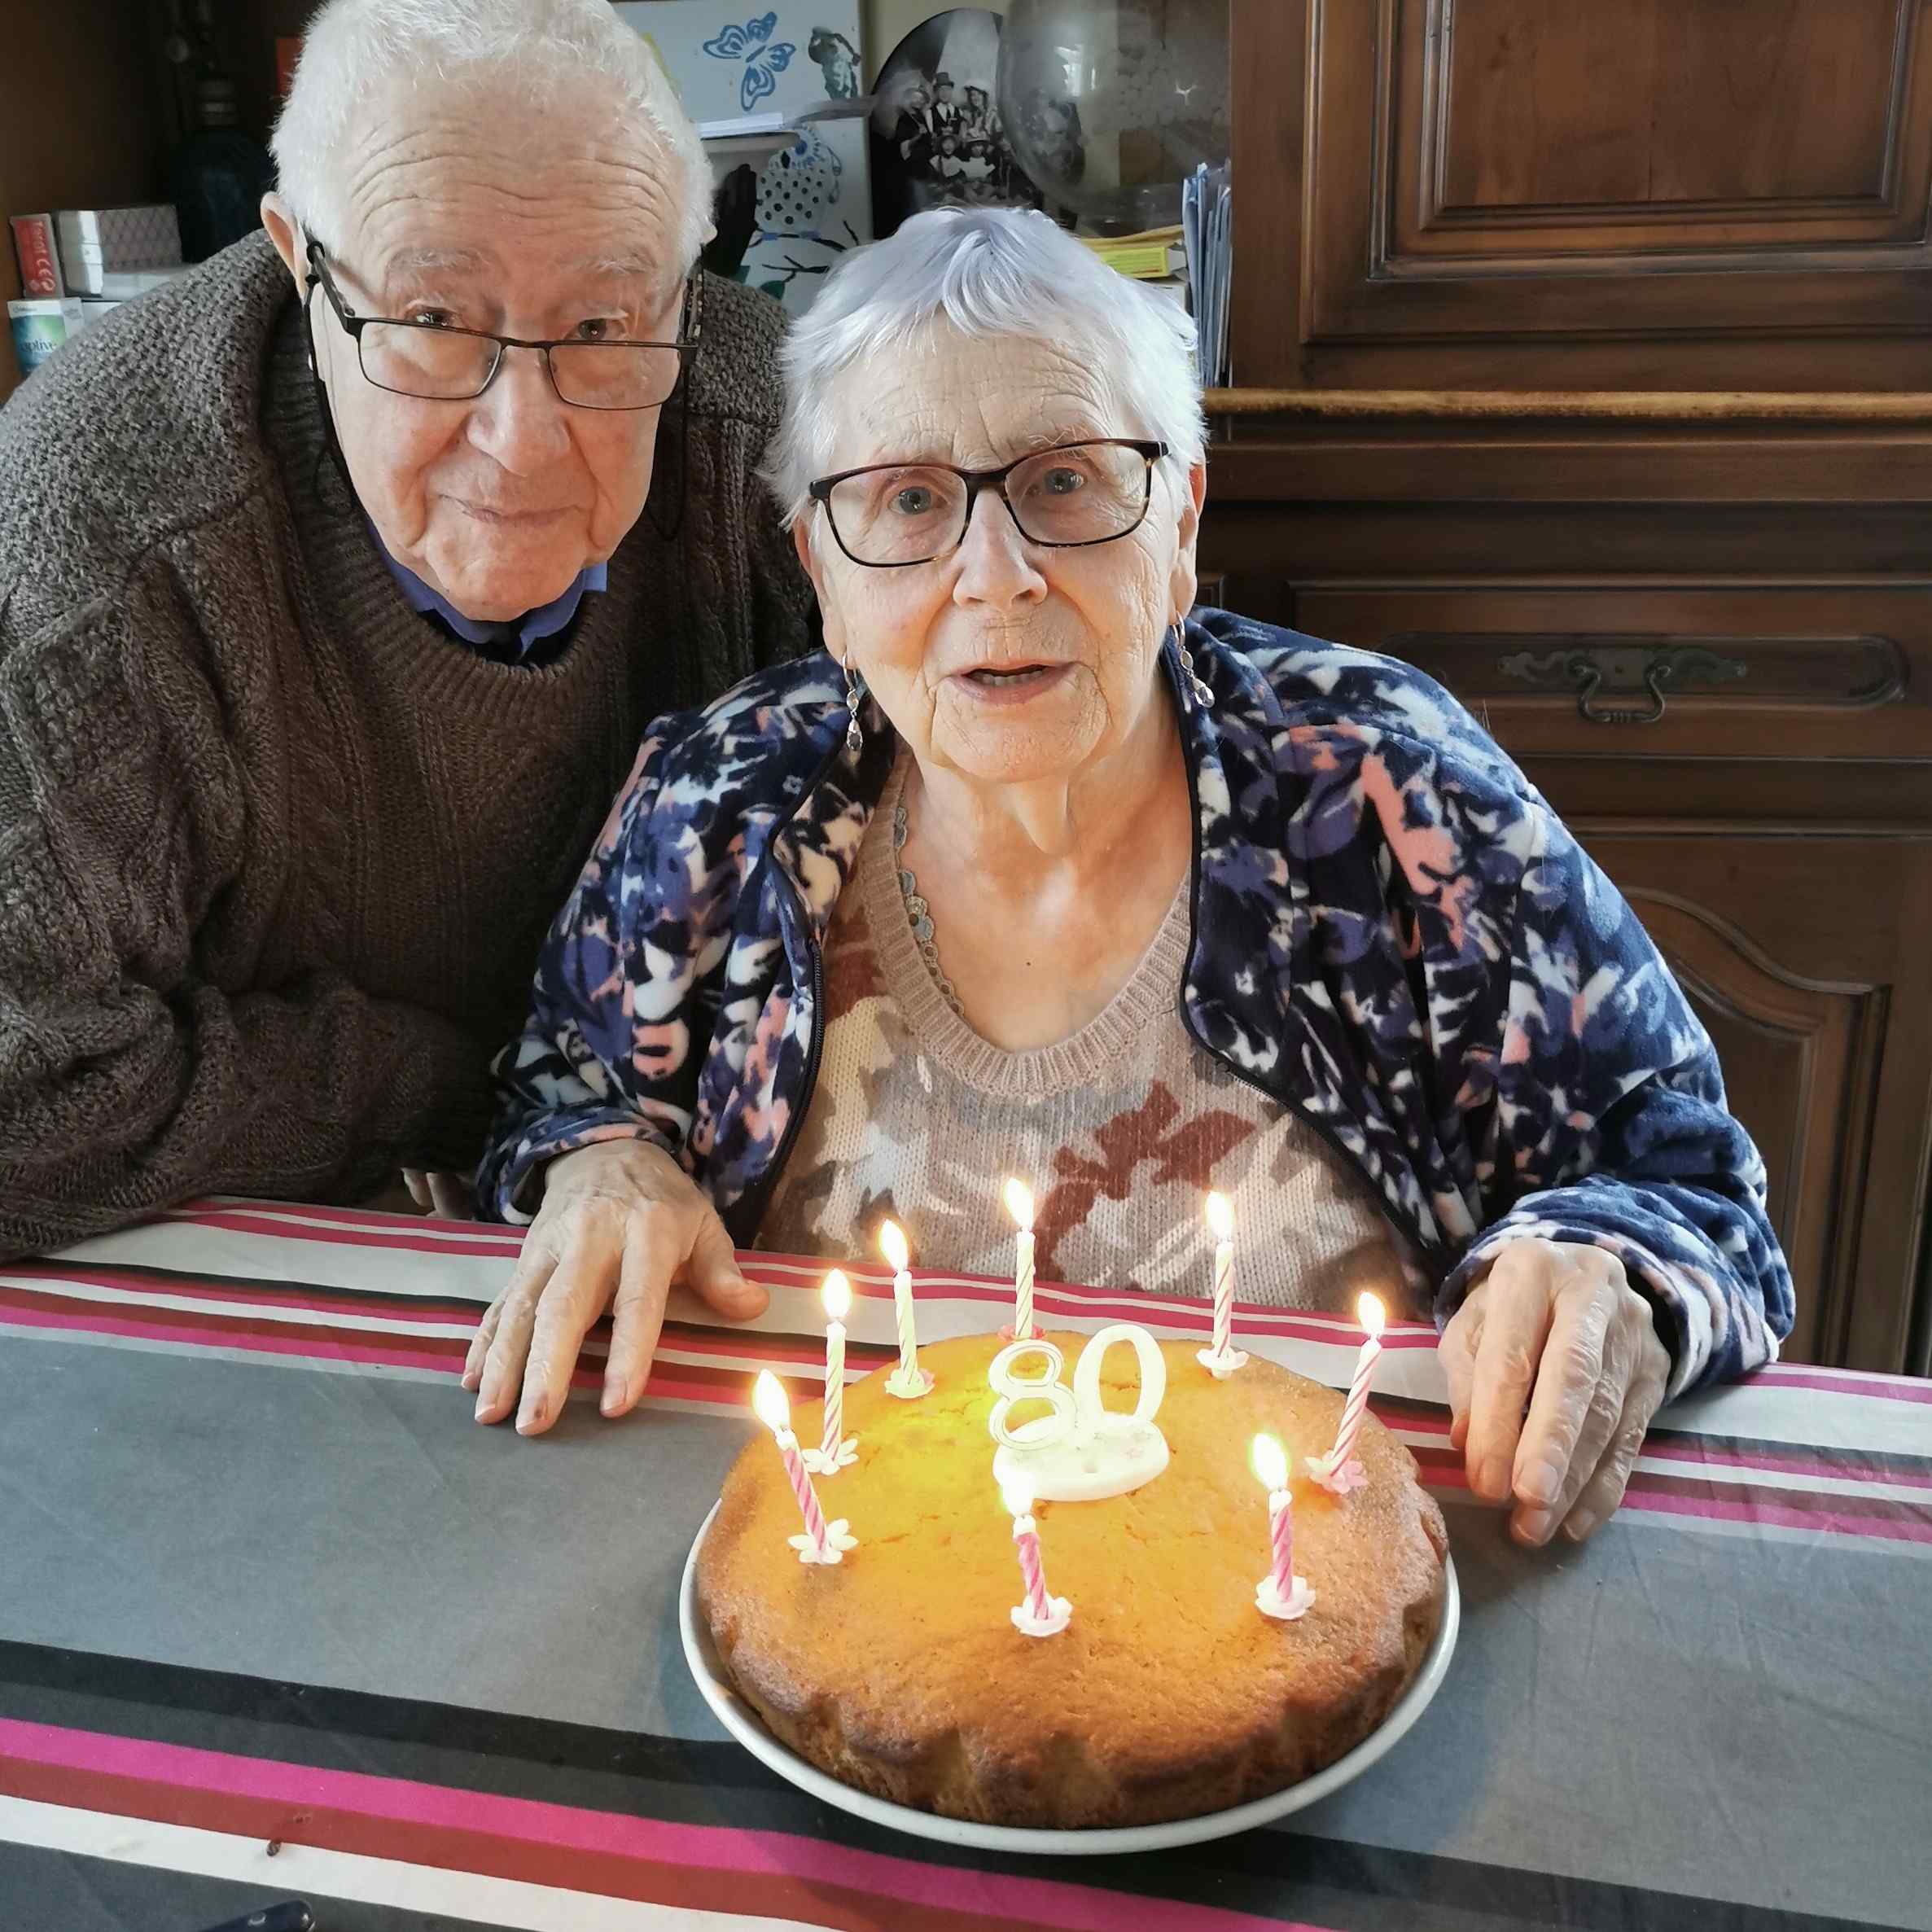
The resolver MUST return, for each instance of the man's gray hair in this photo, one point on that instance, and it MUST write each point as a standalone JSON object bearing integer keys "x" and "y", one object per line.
{"x": 994, "y": 271}
{"x": 547, "y": 49}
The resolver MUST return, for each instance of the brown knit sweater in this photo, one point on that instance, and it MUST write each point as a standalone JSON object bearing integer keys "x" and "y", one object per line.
{"x": 276, "y": 853}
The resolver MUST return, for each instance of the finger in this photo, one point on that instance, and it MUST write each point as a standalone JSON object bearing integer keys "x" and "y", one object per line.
{"x": 637, "y": 1321}
{"x": 578, "y": 1293}
{"x": 713, "y": 1271}
{"x": 1514, "y": 1326}
{"x": 412, "y": 1179}
{"x": 1567, "y": 1376}
{"x": 509, "y": 1346}
{"x": 1590, "y": 1416}
{"x": 1456, "y": 1352}
{"x": 451, "y": 1197}
{"x": 479, "y": 1344}
{"x": 1604, "y": 1493}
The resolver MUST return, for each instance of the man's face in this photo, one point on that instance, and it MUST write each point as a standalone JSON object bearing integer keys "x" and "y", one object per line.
{"x": 476, "y": 213}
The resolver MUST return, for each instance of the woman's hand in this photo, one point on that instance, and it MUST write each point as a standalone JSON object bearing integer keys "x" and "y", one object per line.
{"x": 620, "y": 1220}
{"x": 1556, "y": 1328}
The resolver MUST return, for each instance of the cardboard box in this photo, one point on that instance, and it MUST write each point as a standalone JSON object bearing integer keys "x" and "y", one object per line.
{"x": 98, "y": 242}
{"x": 40, "y": 326}
{"x": 34, "y": 248}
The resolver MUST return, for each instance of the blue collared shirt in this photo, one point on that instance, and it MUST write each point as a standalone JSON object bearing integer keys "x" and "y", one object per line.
{"x": 513, "y": 637}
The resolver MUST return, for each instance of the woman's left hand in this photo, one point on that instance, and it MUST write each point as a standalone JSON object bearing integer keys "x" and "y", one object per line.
{"x": 1555, "y": 1328}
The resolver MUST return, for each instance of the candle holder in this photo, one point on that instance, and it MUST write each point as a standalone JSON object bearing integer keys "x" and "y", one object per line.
{"x": 1271, "y": 1603}
{"x": 1338, "y": 1480}
{"x": 1221, "y": 1363}
{"x": 822, "y": 1463}
{"x": 837, "y": 1539}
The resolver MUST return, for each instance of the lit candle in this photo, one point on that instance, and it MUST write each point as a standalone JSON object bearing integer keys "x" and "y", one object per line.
{"x": 1042, "y": 1615}
{"x": 1281, "y": 1593}
{"x": 1223, "y": 1358}
{"x": 835, "y": 1450}
{"x": 1019, "y": 1204}
{"x": 909, "y": 1381}
{"x": 822, "y": 1542}
{"x": 1338, "y": 1469}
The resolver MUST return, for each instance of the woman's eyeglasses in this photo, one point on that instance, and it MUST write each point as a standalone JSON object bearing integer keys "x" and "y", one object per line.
{"x": 886, "y": 515}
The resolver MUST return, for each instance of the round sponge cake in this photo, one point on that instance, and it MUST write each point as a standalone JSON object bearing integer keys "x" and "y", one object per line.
{"x": 899, "y": 1670}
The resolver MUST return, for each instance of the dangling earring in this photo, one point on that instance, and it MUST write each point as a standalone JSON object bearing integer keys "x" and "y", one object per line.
{"x": 855, "y": 696}
{"x": 1203, "y": 695}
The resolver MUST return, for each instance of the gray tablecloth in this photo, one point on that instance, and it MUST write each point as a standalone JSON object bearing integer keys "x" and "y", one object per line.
{"x": 264, "y": 1583}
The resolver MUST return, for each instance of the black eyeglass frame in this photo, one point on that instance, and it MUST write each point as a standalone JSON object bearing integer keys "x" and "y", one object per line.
{"x": 690, "y": 324}
{"x": 1149, "y": 451}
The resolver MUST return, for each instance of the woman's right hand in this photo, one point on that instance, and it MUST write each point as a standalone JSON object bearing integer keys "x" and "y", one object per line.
{"x": 620, "y": 1221}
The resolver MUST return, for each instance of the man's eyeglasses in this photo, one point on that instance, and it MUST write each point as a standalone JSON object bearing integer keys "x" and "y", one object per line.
{"x": 438, "y": 363}
{"x": 888, "y": 515}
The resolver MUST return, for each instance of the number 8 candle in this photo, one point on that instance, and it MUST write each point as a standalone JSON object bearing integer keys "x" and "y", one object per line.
{"x": 909, "y": 1381}
{"x": 822, "y": 1542}
{"x": 1019, "y": 1204}
{"x": 1042, "y": 1615}
{"x": 1281, "y": 1593}
{"x": 1338, "y": 1469}
{"x": 836, "y": 1450}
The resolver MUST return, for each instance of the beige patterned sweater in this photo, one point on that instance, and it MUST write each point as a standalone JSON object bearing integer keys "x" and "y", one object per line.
{"x": 1119, "y": 1130}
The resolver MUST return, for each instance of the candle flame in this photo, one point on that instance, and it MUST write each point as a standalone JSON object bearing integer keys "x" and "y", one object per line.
{"x": 1016, "y": 1492}
{"x": 891, "y": 1243}
{"x": 768, "y": 1398}
{"x": 1220, "y": 1217}
{"x": 1269, "y": 1462}
{"x": 1368, "y": 1310}
{"x": 1019, "y": 1204}
{"x": 837, "y": 1295}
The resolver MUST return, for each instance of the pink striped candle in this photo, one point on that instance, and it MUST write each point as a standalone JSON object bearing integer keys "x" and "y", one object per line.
{"x": 1337, "y": 1470}
{"x": 822, "y": 1542}
{"x": 1042, "y": 1615}
{"x": 1280, "y": 1594}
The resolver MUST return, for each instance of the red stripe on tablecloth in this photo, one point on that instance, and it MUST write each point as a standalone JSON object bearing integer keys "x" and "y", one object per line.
{"x": 1843, "y": 1382}
{"x": 478, "y": 1243}
{"x": 376, "y": 1304}
{"x": 618, "y": 1854}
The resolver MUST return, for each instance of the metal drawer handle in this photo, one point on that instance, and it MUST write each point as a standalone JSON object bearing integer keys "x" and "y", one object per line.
{"x": 1586, "y": 670}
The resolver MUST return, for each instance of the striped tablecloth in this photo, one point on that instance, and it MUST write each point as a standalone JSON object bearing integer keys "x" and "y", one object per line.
{"x": 276, "y": 1619}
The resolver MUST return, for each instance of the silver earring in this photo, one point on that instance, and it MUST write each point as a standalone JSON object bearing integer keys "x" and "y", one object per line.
{"x": 855, "y": 696}
{"x": 1202, "y": 696}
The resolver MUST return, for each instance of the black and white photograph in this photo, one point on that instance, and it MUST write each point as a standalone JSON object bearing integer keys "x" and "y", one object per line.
{"x": 937, "y": 137}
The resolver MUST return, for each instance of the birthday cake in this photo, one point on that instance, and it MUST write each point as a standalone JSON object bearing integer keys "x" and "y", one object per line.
{"x": 1122, "y": 1671}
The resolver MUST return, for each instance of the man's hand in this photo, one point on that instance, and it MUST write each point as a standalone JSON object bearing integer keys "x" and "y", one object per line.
{"x": 1556, "y": 1328}
{"x": 444, "y": 1194}
{"x": 621, "y": 1221}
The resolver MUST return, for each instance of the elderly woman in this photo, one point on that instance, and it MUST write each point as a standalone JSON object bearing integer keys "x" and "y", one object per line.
{"x": 1035, "y": 871}
{"x": 331, "y": 612}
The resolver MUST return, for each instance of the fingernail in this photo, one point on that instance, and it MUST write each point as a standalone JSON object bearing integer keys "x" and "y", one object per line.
{"x": 482, "y": 1407}
{"x": 1579, "y": 1525}
{"x": 613, "y": 1396}
{"x": 1540, "y": 1483}
{"x": 1533, "y": 1526}
{"x": 531, "y": 1418}
{"x": 1493, "y": 1478}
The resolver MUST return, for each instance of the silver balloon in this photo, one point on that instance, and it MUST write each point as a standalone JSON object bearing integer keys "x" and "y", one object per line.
{"x": 1108, "y": 104}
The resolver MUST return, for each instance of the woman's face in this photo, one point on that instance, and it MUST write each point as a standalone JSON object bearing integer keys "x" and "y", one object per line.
{"x": 1006, "y": 661}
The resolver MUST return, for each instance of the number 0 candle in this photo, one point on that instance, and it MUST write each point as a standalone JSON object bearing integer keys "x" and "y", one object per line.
{"x": 835, "y": 1450}
{"x": 1338, "y": 1469}
{"x": 1222, "y": 1358}
{"x": 1281, "y": 1593}
{"x": 909, "y": 1381}
{"x": 1042, "y": 1615}
{"x": 1019, "y": 1204}
{"x": 822, "y": 1542}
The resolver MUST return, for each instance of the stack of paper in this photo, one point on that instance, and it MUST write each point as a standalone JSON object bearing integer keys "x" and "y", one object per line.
{"x": 1207, "y": 230}
{"x": 1147, "y": 257}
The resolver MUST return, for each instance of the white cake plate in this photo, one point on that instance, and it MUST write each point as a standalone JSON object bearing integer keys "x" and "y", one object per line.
{"x": 744, "y": 1723}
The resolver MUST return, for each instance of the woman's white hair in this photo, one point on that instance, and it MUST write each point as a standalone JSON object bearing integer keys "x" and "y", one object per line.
{"x": 548, "y": 49}
{"x": 994, "y": 271}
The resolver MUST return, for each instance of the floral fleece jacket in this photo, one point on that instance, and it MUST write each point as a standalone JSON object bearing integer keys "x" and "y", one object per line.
{"x": 1393, "y": 934}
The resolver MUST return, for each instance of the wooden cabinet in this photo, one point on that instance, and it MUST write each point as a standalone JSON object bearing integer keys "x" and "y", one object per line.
{"x": 1584, "y": 354}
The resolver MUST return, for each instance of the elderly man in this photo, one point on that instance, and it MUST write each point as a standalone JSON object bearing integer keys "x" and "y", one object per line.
{"x": 335, "y": 592}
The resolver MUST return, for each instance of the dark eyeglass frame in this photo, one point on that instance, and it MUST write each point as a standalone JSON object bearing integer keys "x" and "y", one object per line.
{"x": 1149, "y": 451}
{"x": 690, "y": 324}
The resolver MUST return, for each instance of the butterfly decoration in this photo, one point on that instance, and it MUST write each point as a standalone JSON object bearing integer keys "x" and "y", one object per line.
{"x": 764, "y": 57}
